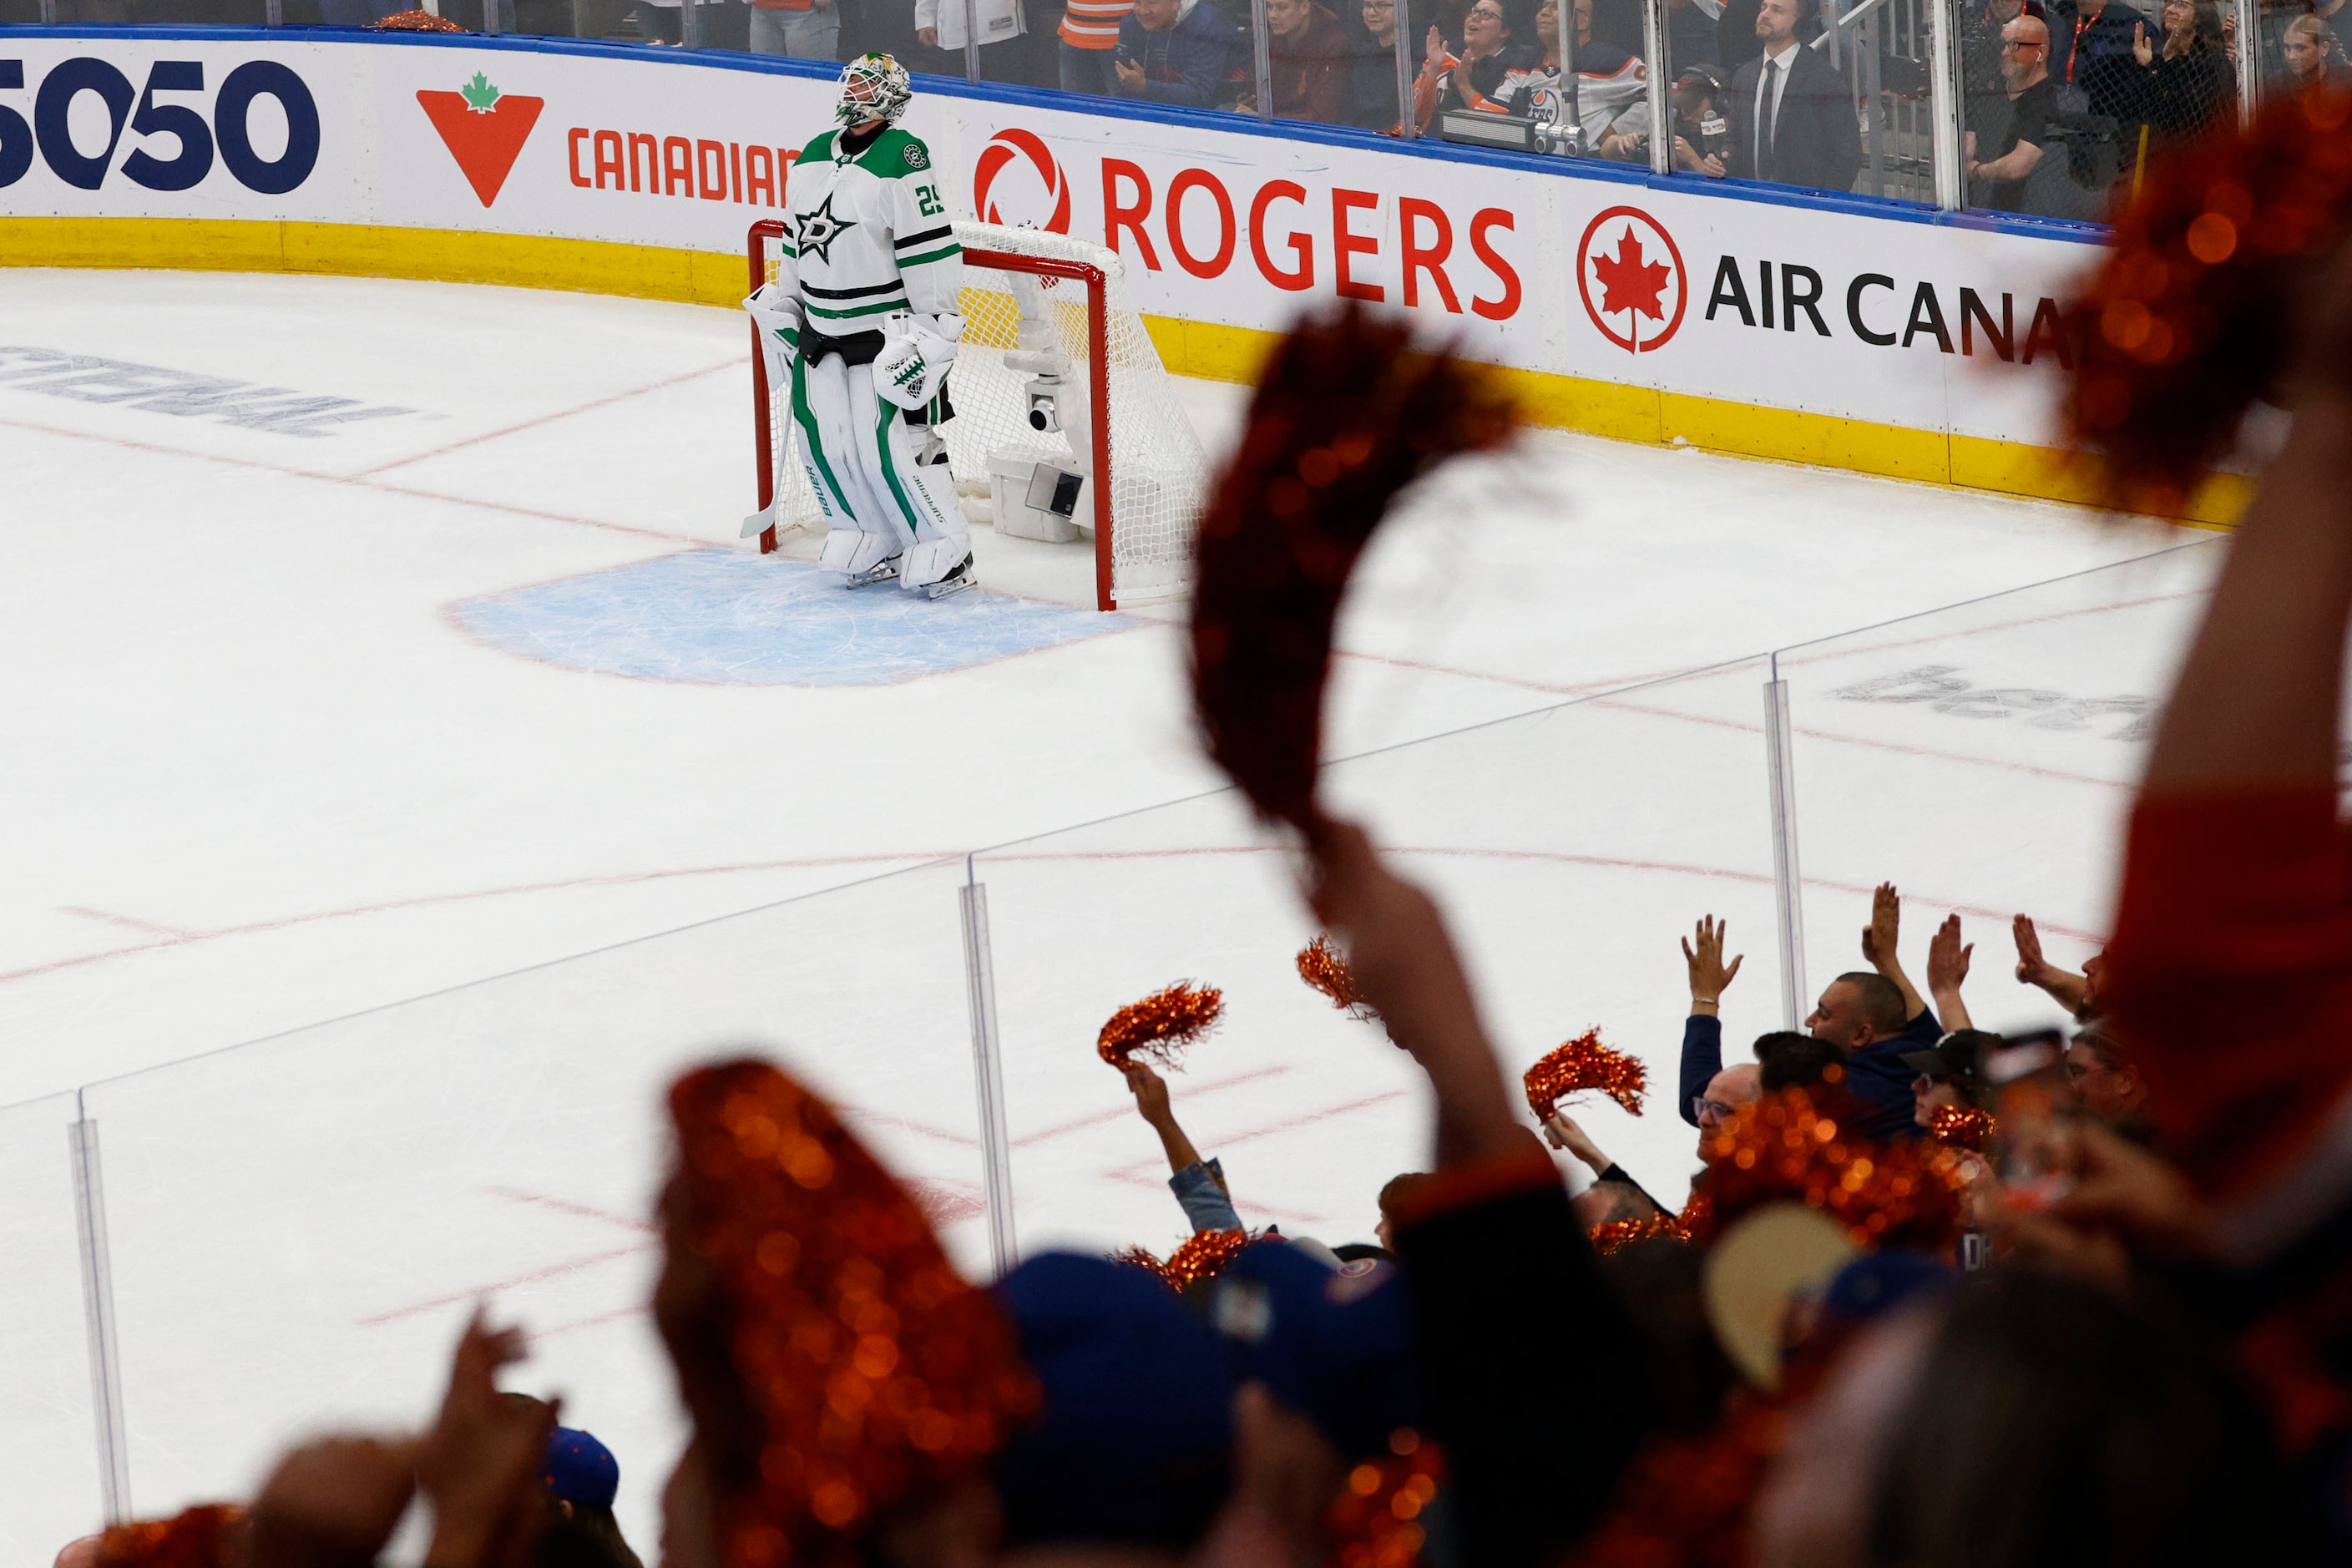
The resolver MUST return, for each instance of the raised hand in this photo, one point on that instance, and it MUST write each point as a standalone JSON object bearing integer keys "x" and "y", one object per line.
{"x": 1150, "y": 1091}
{"x": 1948, "y": 960}
{"x": 2142, "y": 50}
{"x": 480, "y": 1466}
{"x": 2031, "y": 965}
{"x": 1562, "y": 1132}
{"x": 1708, "y": 974}
{"x": 1878, "y": 938}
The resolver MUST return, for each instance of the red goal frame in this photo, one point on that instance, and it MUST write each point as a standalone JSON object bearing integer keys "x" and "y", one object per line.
{"x": 1097, "y": 396}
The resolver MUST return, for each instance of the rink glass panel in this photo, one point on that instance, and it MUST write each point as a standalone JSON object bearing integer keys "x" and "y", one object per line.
{"x": 49, "y": 1437}
{"x": 1570, "y": 849}
{"x": 1983, "y": 758}
{"x": 300, "y": 1226}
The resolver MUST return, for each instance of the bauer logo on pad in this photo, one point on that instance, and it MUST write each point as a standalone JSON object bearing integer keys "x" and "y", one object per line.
{"x": 484, "y": 129}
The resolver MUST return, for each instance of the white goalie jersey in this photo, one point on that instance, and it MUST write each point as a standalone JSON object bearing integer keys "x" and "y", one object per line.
{"x": 868, "y": 235}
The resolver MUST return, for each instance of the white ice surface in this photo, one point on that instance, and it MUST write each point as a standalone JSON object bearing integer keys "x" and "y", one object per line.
{"x": 258, "y": 775}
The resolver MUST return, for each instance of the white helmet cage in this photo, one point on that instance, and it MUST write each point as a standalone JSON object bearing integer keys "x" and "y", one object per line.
{"x": 873, "y": 86}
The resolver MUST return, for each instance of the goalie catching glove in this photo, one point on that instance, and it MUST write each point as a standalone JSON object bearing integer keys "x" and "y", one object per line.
{"x": 916, "y": 354}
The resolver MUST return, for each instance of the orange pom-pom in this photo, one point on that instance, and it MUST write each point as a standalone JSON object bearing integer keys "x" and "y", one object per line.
{"x": 832, "y": 1348}
{"x": 1610, "y": 1236}
{"x": 1375, "y": 1519}
{"x": 1584, "y": 1063}
{"x": 1782, "y": 1149}
{"x": 1162, "y": 1025}
{"x": 1143, "y": 1259}
{"x": 1961, "y": 1127}
{"x": 210, "y": 1536}
{"x": 1202, "y": 1257}
{"x": 1324, "y": 967}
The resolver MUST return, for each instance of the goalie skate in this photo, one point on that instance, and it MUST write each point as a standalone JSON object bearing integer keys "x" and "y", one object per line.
{"x": 880, "y": 572}
{"x": 958, "y": 579}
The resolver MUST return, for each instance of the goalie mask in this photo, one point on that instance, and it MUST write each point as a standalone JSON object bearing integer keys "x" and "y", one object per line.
{"x": 873, "y": 86}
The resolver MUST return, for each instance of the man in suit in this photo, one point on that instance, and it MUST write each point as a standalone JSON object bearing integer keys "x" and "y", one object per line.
{"x": 1792, "y": 115}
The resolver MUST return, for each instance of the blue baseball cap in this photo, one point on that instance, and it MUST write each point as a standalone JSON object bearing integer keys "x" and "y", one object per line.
{"x": 580, "y": 1469}
{"x": 1133, "y": 1440}
{"x": 1335, "y": 1344}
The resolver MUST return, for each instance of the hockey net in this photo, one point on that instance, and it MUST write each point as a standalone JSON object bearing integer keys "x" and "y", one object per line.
{"x": 1119, "y": 418}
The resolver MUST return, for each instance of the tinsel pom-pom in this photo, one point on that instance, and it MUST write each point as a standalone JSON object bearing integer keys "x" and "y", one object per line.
{"x": 418, "y": 21}
{"x": 1324, "y": 967}
{"x": 1782, "y": 1148}
{"x": 1142, "y": 1257}
{"x": 1162, "y": 1025}
{"x": 1375, "y": 1519}
{"x": 1961, "y": 1127}
{"x": 870, "y": 1372}
{"x": 1611, "y": 1236}
{"x": 1346, "y": 417}
{"x": 1202, "y": 1257}
{"x": 210, "y": 1536}
{"x": 1582, "y": 1064}
{"x": 2205, "y": 298}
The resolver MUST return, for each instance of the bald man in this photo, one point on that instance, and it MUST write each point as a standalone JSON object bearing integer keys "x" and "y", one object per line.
{"x": 1999, "y": 182}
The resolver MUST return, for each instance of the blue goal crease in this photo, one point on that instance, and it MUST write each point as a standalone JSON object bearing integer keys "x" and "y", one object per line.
{"x": 729, "y": 617}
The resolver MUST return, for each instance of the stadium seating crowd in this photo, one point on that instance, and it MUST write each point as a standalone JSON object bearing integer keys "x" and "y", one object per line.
{"x": 1937, "y": 1296}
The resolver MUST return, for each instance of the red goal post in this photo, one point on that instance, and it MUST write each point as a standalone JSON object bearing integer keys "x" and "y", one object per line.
{"x": 1099, "y": 385}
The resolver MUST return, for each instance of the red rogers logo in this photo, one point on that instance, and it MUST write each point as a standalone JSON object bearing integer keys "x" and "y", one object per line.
{"x": 1621, "y": 252}
{"x": 1001, "y": 150}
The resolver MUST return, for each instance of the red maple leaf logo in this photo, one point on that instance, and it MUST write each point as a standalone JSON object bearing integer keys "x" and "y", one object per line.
{"x": 485, "y": 141}
{"x": 1629, "y": 279}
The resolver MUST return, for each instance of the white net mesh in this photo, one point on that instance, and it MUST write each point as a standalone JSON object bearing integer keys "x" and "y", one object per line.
{"x": 1158, "y": 479}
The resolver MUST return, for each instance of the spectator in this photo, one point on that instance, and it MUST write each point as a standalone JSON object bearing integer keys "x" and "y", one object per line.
{"x": 1561, "y": 1131}
{"x": 1790, "y": 1060}
{"x": 1950, "y": 1075}
{"x": 1199, "y": 1185}
{"x": 1394, "y": 1192}
{"x": 1984, "y": 87}
{"x": 806, "y": 30}
{"x": 2313, "y": 56}
{"x": 1792, "y": 115}
{"x": 2078, "y": 994}
{"x": 1998, "y": 181}
{"x": 1691, "y": 32}
{"x": 1612, "y": 87}
{"x": 1864, "y": 1012}
{"x": 1991, "y": 1425}
{"x": 1735, "y": 39}
{"x": 2189, "y": 85}
{"x": 2105, "y": 1085}
{"x": 1088, "y": 37}
{"x": 2091, "y": 51}
{"x": 1308, "y": 57}
{"x": 1005, "y": 40}
{"x": 1176, "y": 51}
{"x": 1372, "y": 102}
{"x": 1725, "y": 1093}
{"x": 1947, "y": 970}
{"x": 1701, "y": 129}
{"x": 582, "y": 1479}
{"x": 1491, "y": 48}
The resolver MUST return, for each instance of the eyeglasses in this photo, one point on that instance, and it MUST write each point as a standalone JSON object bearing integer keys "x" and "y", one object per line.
{"x": 1701, "y": 1105}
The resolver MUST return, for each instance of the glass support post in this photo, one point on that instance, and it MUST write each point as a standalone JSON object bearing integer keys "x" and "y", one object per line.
{"x": 2250, "y": 65}
{"x": 988, "y": 1075}
{"x": 1946, "y": 138}
{"x": 98, "y": 1311}
{"x": 1262, "y": 45}
{"x": 1661, "y": 88}
{"x": 1788, "y": 888}
{"x": 1406, "y": 127}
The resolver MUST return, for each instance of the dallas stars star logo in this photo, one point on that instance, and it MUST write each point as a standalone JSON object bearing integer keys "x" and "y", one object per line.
{"x": 820, "y": 228}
